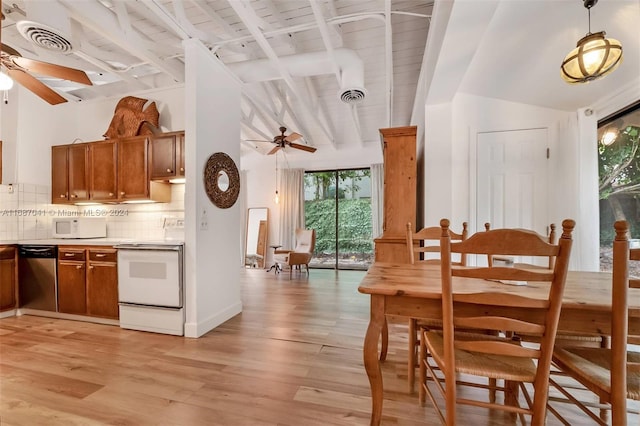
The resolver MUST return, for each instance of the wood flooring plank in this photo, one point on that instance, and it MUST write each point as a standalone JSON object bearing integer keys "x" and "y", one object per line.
{"x": 292, "y": 357}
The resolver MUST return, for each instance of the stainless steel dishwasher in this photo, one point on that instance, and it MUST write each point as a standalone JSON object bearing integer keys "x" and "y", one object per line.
{"x": 37, "y": 277}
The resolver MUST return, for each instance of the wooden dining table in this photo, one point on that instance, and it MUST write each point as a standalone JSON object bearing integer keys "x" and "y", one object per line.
{"x": 415, "y": 291}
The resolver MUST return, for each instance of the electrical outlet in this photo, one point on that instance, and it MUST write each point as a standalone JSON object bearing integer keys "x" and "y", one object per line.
{"x": 204, "y": 221}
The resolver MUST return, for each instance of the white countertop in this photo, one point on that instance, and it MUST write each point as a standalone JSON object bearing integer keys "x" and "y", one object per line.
{"x": 92, "y": 241}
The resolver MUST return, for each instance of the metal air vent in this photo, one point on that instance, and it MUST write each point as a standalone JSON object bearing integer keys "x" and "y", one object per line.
{"x": 352, "y": 96}
{"x": 44, "y": 36}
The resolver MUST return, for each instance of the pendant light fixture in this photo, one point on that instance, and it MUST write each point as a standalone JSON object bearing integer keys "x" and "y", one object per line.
{"x": 594, "y": 56}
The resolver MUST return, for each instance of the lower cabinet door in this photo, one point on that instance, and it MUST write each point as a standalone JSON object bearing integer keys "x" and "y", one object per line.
{"x": 102, "y": 290}
{"x": 72, "y": 294}
{"x": 7, "y": 278}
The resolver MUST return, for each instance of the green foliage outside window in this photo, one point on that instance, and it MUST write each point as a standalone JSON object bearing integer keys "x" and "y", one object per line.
{"x": 619, "y": 182}
{"x": 354, "y": 219}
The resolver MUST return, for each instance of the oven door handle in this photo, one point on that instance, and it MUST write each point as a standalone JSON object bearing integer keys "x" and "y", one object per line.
{"x": 141, "y": 305}
{"x": 147, "y": 247}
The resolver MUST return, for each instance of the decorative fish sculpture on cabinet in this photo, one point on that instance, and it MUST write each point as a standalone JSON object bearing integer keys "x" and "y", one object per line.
{"x": 130, "y": 118}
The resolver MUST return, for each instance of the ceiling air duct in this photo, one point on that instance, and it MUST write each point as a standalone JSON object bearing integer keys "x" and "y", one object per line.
{"x": 309, "y": 64}
{"x": 47, "y": 26}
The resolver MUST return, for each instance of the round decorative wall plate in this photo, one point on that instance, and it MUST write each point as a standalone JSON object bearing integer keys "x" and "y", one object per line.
{"x": 221, "y": 180}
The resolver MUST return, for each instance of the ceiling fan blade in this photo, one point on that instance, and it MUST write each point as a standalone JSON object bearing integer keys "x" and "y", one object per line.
{"x": 274, "y": 150}
{"x": 293, "y": 137}
{"x": 256, "y": 140}
{"x": 36, "y": 86}
{"x": 303, "y": 147}
{"x": 52, "y": 70}
{"x": 9, "y": 50}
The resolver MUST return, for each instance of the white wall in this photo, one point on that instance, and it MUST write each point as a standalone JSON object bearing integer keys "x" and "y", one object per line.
{"x": 212, "y": 109}
{"x": 8, "y": 135}
{"x": 450, "y": 164}
{"x": 94, "y": 117}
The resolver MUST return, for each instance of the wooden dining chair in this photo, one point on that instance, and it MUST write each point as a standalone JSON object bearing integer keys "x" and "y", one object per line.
{"x": 551, "y": 237}
{"x": 424, "y": 246}
{"x": 450, "y": 357}
{"x": 562, "y": 338}
{"x": 613, "y": 374}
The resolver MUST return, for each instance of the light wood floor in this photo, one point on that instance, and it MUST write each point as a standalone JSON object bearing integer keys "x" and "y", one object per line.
{"x": 293, "y": 357}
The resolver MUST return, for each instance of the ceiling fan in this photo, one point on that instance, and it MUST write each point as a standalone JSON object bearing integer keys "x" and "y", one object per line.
{"x": 20, "y": 69}
{"x": 282, "y": 141}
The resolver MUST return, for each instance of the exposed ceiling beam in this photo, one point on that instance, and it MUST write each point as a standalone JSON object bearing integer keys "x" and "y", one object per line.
{"x": 326, "y": 39}
{"x": 247, "y": 15}
{"x": 103, "y": 22}
{"x": 169, "y": 20}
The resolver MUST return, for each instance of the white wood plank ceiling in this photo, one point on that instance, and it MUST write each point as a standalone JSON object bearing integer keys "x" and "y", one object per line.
{"x": 295, "y": 56}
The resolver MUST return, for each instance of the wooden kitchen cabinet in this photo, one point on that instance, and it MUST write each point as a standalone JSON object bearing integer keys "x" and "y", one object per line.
{"x": 103, "y": 163}
{"x": 72, "y": 293}
{"x": 133, "y": 168}
{"x": 116, "y": 170}
{"x": 69, "y": 173}
{"x": 166, "y": 156}
{"x": 133, "y": 173}
{"x": 102, "y": 283}
{"x": 181, "y": 154}
{"x": 8, "y": 277}
{"x": 88, "y": 281}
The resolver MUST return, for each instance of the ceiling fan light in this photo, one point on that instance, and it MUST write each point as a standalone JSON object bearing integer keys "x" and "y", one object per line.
{"x": 595, "y": 56}
{"x": 6, "y": 82}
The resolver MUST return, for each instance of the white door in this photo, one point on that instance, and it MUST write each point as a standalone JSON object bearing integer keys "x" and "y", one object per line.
{"x": 512, "y": 180}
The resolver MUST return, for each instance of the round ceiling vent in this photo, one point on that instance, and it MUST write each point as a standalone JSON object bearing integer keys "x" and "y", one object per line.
{"x": 352, "y": 96}
{"x": 44, "y": 36}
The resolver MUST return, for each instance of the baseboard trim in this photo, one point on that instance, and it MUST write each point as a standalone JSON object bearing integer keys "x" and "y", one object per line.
{"x": 201, "y": 328}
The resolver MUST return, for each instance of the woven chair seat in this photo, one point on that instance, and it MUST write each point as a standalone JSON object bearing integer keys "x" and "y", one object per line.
{"x": 594, "y": 365}
{"x": 478, "y": 364}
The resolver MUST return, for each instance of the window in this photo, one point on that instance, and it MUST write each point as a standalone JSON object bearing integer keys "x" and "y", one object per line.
{"x": 338, "y": 206}
{"x": 619, "y": 176}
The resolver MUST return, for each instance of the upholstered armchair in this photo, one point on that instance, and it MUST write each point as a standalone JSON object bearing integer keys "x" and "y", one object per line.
{"x": 301, "y": 254}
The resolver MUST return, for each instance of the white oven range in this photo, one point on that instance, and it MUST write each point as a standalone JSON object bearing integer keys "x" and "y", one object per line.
{"x": 150, "y": 287}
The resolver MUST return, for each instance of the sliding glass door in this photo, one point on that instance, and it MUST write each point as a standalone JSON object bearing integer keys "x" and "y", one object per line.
{"x": 338, "y": 207}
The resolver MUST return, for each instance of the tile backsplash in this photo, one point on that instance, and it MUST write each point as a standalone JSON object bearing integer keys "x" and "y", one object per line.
{"x": 26, "y": 212}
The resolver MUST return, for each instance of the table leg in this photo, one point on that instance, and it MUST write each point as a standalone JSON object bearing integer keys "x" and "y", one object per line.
{"x": 384, "y": 346}
{"x": 370, "y": 352}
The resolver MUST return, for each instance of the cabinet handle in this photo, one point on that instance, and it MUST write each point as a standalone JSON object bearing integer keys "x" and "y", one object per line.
{"x": 63, "y": 196}
{"x": 69, "y": 254}
{"x": 100, "y": 255}
{"x": 182, "y": 169}
{"x": 79, "y": 267}
{"x": 122, "y": 193}
{"x": 91, "y": 267}
{"x": 74, "y": 196}
{"x": 169, "y": 171}
{"x": 111, "y": 194}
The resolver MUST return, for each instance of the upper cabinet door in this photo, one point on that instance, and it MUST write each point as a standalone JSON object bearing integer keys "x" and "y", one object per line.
{"x": 180, "y": 154}
{"x": 59, "y": 173}
{"x": 166, "y": 156}
{"x": 133, "y": 169}
{"x": 103, "y": 163}
{"x": 163, "y": 156}
{"x": 78, "y": 158}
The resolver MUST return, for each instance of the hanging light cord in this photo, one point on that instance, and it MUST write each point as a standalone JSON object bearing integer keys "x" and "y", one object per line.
{"x": 589, "y": 4}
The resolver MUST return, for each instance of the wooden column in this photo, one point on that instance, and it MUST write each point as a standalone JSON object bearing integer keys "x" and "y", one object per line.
{"x": 400, "y": 190}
